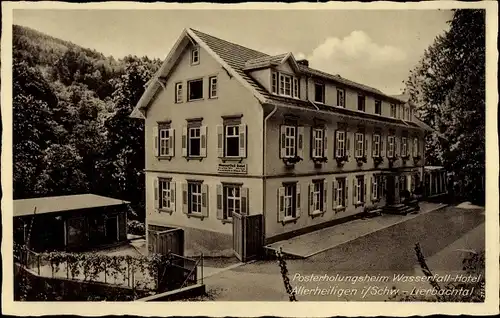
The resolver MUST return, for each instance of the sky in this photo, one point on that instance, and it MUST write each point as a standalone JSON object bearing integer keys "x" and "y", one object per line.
{"x": 377, "y": 48}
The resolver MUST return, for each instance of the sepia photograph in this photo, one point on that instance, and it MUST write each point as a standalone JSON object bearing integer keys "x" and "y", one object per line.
{"x": 264, "y": 155}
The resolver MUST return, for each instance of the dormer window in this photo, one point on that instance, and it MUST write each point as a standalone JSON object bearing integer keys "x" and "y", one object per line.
{"x": 319, "y": 93}
{"x": 195, "y": 56}
{"x": 284, "y": 85}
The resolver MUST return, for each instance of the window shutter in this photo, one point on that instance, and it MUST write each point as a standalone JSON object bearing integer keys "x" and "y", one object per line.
{"x": 204, "y": 199}
{"x": 382, "y": 149}
{"x": 243, "y": 141}
{"x": 311, "y": 198}
{"x": 172, "y": 195}
{"x": 185, "y": 198}
{"x": 354, "y": 190}
{"x": 346, "y": 194}
{"x": 335, "y": 194}
{"x": 184, "y": 141}
{"x": 171, "y": 142}
{"x": 373, "y": 145}
{"x": 325, "y": 192}
{"x": 421, "y": 146}
{"x": 347, "y": 144}
{"x": 313, "y": 143}
{"x": 156, "y": 141}
{"x": 325, "y": 144}
{"x": 220, "y": 213}
{"x": 203, "y": 141}
{"x": 366, "y": 145}
{"x": 281, "y": 204}
{"x": 220, "y": 141}
{"x": 365, "y": 193}
{"x": 335, "y": 142}
{"x": 297, "y": 200}
{"x": 282, "y": 141}
{"x": 156, "y": 193}
{"x": 244, "y": 201}
{"x": 300, "y": 142}
{"x": 396, "y": 146}
{"x": 372, "y": 186}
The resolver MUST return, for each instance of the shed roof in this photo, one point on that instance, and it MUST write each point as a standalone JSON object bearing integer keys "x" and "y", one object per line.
{"x": 62, "y": 203}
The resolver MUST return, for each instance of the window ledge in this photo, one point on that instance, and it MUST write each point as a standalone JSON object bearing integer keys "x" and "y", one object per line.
{"x": 358, "y": 204}
{"x": 224, "y": 159}
{"x": 290, "y": 161}
{"x": 375, "y": 200}
{"x": 225, "y": 221}
{"x": 199, "y": 158}
{"x": 195, "y": 215}
{"x": 315, "y": 214}
{"x": 340, "y": 208}
{"x": 320, "y": 160}
{"x": 164, "y": 157}
{"x": 287, "y": 220}
{"x": 195, "y": 100}
{"x": 169, "y": 211}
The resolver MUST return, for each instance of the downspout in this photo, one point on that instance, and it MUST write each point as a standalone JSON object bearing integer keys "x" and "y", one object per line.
{"x": 264, "y": 172}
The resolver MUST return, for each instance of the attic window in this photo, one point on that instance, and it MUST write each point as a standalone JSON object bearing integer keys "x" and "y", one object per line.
{"x": 195, "y": 56}
{"x": 284, "y": 85}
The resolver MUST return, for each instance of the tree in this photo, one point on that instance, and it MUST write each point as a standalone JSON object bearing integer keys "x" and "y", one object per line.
{"x": 448, "y": 87}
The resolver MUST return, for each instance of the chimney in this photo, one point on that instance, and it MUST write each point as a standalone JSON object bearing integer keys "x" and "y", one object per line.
{"x": 303, "y": 62}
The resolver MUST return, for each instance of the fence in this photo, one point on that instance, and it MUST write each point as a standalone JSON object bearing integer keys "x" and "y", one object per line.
{"x": 157, "y": 273}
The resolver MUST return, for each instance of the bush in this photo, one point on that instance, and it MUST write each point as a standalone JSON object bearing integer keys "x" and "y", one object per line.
{"x": 136, "y": 227}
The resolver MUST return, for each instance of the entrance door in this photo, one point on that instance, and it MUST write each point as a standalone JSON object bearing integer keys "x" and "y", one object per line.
{"x": 112, "y": 229}
{"x": 391, "y": 188}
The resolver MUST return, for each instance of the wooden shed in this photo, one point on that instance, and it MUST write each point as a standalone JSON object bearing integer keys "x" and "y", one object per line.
{"x": 72, "y": 222}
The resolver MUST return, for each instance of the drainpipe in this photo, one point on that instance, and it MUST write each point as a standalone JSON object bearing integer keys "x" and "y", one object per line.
{"x": 264, "y": 172}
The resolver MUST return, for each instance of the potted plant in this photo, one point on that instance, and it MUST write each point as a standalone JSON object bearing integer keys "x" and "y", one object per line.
{"x": 361, "y": 160}
{"x": 377, "y": 160}
{"x": 290, "y": 161}
{"x": 341, "y": 160}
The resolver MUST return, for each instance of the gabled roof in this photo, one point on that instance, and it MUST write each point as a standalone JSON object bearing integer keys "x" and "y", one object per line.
{"x": 63, "y": 203}
{"x": 237, "y": 60}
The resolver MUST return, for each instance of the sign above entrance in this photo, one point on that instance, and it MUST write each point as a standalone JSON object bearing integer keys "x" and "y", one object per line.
{"x": 239, "y": 168}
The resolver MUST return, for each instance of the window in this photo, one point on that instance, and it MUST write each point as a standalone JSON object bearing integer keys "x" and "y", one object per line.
{"x": 194, "y": 146}
{"x": 274, "y": 84}
{"x": 359, "y": 187}
{"x": 390, "y": 146}
{"x": 317, "y": 197}
{"x": 340, "y": 192}
{"x": 378, "y": 107}
{"x": 195, "y": 89}
{"x": 290, "y": 141}
{"x": 195, "y": 56}
{"x": 376, "y": 145}
{"x": 285, "y": 85}
{"x": 232, "y": 141}
{"x": 393, "y": 110}
{"x": 194, "y": 198}
{"x": 404, "y": 147}
{"x": 415, "y": 147}
{"x": 167, "y": 195}
{"x": 165, "y": 142}
{"x": 361, "y": 103}
{"x": 295, "y": 87}
{"x": 289, "y": 201}
{"x": 359, "y": 145}
{"x": 340, "y": 143}
{"x": 319, "y": 93}
{"x": 232, "y": 201}
{"x": 376, "y": 187}
{"x": 178, "y": 92}
{"x": 212, "y": 87}
{"x": 318, "y": 146}
{"x": 340, "y": 97}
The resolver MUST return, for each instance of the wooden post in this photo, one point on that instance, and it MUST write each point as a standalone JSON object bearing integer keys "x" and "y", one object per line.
{"x": 128, "y": 273}
{"x": 104, "y": 271}
{"x": 202, "y": 268}
{"x": 38, "y": 258}
{"x": 67, "y": 268}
